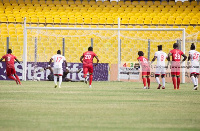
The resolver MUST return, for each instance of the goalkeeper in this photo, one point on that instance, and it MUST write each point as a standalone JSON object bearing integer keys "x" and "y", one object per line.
{"x": 51, "y": 75}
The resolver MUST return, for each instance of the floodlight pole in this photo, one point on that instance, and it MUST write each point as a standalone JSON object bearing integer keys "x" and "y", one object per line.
{"x": 119, "y": 51}
{"x": 183, "y": 64}
{"x": 24, "y": 52}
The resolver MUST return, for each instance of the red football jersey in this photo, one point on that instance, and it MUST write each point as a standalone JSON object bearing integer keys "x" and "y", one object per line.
{"x": 10, "y": 60}
{"x": 88, "y": 57}
{"x": 144, "y": 63}
{"x": 176, "y": 54}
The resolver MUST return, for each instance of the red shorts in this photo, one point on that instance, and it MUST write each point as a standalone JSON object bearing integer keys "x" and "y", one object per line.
{"x": 145, "y": 73}
{"x": 175, "y": 71}
{"x": 87, "y": 68}
{"x": 10, "y": 71}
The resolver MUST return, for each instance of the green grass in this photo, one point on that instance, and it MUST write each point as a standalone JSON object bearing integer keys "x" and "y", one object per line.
{"x": 107, "y": 106}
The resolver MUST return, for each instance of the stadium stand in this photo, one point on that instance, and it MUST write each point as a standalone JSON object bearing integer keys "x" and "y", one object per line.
{"x": 62, "y": 13}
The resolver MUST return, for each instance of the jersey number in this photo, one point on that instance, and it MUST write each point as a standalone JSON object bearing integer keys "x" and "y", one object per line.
{"x": 58, "y": 59}
{"x": 196, "y": 56}
{"x": 87, "y": 56}
{"x": 144, "y": 60}
{"x": 162, "y": 57}
{"x": 8, "y": 59}
{"x": 177, "y": 57}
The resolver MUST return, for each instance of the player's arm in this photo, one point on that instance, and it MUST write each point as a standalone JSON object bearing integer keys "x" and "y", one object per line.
{"x": 154, "y": 58}
{"x": 50, "y": 61}
{"x": 65, "y": 64}
{"x": 81, "y": 58}
{"x": 185, "y": 57}
{"x": 97, "y": 60}
{"x": 17, "y": 61}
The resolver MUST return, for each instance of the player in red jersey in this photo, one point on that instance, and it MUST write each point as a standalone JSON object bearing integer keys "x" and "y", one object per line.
{"x": 10, "y": 68}
{"x": 145, "y": 69}
{"x": 175, "y": 65}
{"x": 87, "y": 60}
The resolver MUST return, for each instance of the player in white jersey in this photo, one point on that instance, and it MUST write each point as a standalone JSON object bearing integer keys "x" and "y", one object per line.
{"x": 58, "y": 71}
{"x": 160, "y": 66}
{"x": 194, "y": 68}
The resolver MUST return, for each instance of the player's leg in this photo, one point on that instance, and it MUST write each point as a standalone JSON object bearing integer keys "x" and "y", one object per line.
{"x": 144, "y": 74}
{"x": 148, "y": 79}
{"x": 85, "y": 71}
{"x": 163, "y": 77}
{"x": 173, "y": 74}
{"x": 91, "y": 75}
{"x": 192, "y": 76}
{"x": 157, "y": 74}
{"x": 55, "y": 76}
{"x": 163, "y": 81}
{"x": 16, "y": 76}
{"x": 178, "y": 77}
{"x": 157, "y": 80}
{"x": 9, "y": 74}
{"x": 60, "y": 73}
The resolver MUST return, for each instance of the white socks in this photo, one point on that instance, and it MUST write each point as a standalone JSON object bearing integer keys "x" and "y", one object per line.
{"x": 55, "y": 80}
{"x": 163, "y": 81}
{"x": 157, "y": 79}
{"x": 60, "y": 80}
{"x": 197, "y": 81}
{"x": 193, "y": 80}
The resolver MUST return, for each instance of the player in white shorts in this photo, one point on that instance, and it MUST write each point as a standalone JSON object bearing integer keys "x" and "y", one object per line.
{"x": 160, "y": 66}
{"x": 58, "y": 70}
{"x": 194, "y": 68}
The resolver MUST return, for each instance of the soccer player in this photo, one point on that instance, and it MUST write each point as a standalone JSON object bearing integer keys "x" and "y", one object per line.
{"x": 175, "y": 65}
{"x": 58, "y": 71}
{"x": 194, "y": 70}
{"x": 65, "y": 73}
{"x": 145, "y": 69}
{"x": 87, "y": 60}
{"x": 10, "y": 68}
{"x": 160, "y": 67}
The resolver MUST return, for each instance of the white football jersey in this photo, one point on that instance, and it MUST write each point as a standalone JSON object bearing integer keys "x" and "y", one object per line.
{"x": 194, "y": 57}
{"x": 58, "y": 60}
{"x": 161, "y": 56}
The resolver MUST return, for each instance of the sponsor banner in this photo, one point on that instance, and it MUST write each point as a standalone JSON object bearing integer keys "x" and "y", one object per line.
{"x": 100, "y": 71}
{"x": 132, "y": 70}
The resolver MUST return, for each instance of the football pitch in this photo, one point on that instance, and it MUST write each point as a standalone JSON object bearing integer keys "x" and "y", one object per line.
{"x": 107, "y": 106}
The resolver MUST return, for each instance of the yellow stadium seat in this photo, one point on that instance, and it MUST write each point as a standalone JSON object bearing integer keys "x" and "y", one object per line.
{"x": 164, "y": 3}
{"x": 132, "y": 21}
{"x": 34, "y": 20}
{"x": 147, "y": 21}
{"x": 41, "y": 19}
{"x": 194, "y": 3}
{"x": 72, "y": 20}
{"x": 170, "y": 21}
{"x": 171, "y": 3}
{"x": 87, "y": 20}
{"x": 95, "y": 20}
{"x": 178, "y": 21}
{"x": 194, "y": 21}
{"x": 162, "y": 21}
{"x": 140, "y": 21}
{"x": 124, "y": 21}
{"x": 102, "y": 20}
{"x": 127, "y": 3}
{"x": 155, "y": 21}
{"x": 185, "y": 21}
{"x": 79, "y": 20}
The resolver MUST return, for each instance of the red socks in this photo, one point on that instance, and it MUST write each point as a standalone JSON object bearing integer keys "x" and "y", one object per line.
{"x": 11, "y": 77}
{"x": 178, "y": 82}
{"x": 148, "y": 81}
{"x": 144, "y": 81}
{"x": 16, "y": 76}
{"x": 174, "y": 82}
{"x": 90, "y": 79}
